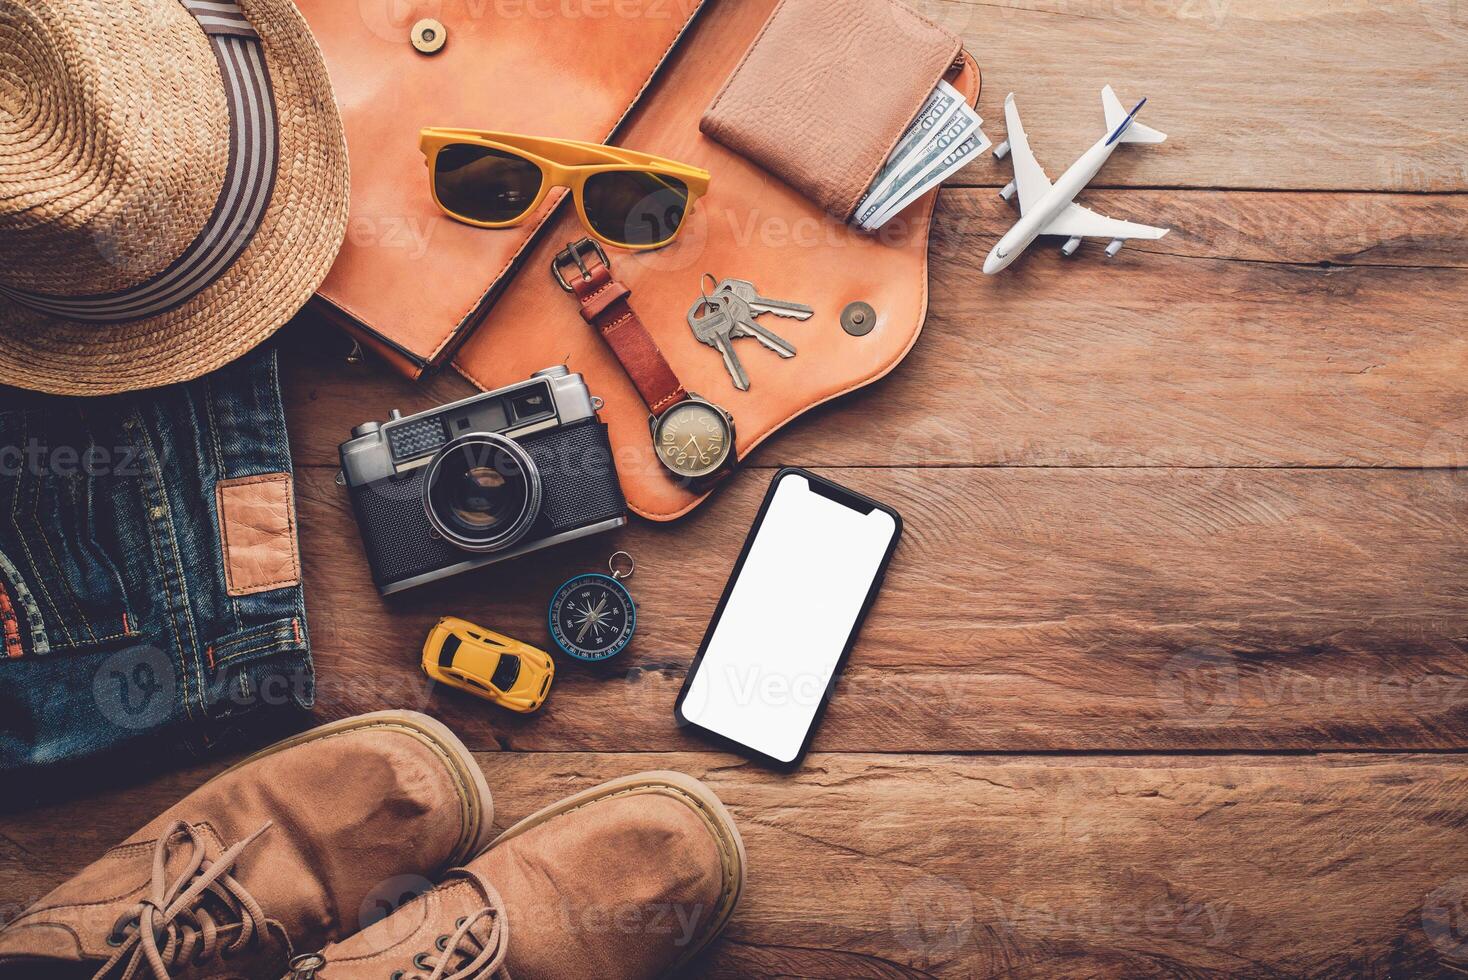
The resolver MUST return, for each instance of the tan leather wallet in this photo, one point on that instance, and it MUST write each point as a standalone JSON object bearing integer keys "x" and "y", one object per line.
{"x": 827, "y": 89}
{"x": 414, "y": 284}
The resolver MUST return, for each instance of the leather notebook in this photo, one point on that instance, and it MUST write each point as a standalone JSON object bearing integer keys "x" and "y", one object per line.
{"x": 763, "y": 220}
{"x": 409, "y": 283}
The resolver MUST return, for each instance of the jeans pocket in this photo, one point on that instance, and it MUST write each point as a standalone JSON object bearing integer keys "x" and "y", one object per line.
{"x": 51, "y": 559}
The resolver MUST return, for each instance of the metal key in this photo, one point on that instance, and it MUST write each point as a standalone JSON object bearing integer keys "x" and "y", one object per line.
{"x": 745, "y": 326}
{"x": 715, "y": 327}
{"x": 758, "y": 304}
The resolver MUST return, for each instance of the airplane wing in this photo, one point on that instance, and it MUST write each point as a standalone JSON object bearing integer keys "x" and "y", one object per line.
{"x": 1029, "y": 176}
{"x": 1078, "y": 222}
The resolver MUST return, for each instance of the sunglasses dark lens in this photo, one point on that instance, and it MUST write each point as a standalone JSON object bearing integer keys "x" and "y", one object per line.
{"x": 483, "y": 184}
{"x": 634, "y": 207}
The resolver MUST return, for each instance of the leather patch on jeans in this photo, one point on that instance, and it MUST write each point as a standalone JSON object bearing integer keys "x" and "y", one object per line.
{"x": 257, "y": 527}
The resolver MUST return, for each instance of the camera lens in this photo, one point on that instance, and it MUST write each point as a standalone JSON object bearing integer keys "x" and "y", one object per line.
{"x": 482, "y": 492}
{"x": 482, "y": 498}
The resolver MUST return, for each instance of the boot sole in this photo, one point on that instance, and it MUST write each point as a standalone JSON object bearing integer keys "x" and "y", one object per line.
{"x": 702, "y": 801}
{"x": 475, "y": 800}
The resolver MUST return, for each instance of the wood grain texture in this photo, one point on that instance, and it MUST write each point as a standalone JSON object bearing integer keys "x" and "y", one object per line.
{"x": 1026, "y": 609}
{"x": 898, "y": 866}
{"x": 1186, "y": 541}
{"x": 1268, "y": 330}
{"x": 1310, "y": 94}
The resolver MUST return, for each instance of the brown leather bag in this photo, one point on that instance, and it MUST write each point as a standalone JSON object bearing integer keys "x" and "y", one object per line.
{"x": 414, "y": 285}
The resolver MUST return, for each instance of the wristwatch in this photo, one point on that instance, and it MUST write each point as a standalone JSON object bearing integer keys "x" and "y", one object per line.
{"x": 693, "y": 437}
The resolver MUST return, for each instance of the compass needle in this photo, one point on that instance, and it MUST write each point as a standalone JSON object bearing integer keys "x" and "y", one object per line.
{"x": 592, "y": 616}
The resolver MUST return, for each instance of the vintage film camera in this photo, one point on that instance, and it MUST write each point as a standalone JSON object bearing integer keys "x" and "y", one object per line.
{"x": 481, "y": 480}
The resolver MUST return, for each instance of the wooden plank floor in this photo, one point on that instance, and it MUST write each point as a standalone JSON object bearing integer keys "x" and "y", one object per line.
{"x": 1170, "y": 674}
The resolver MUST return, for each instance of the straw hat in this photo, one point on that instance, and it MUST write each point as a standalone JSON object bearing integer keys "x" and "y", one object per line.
{"x": 173, "y": 186}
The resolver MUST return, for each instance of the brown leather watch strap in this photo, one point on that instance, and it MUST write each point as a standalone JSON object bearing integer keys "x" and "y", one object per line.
{"x": 604, "y": 305}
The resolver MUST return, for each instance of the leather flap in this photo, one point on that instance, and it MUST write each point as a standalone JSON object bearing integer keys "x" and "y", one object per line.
{"x": 407, "y": 281}
{"x": 749, "y": 226}
{"x": 826, "y": 91}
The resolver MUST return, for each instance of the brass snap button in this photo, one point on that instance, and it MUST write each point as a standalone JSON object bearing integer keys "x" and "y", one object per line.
{"x": 429, "y": 35}
{"x": 858, "y": 319}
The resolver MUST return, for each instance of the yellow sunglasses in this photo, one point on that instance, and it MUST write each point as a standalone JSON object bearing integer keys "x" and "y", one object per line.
{"x": 495, "y": 180}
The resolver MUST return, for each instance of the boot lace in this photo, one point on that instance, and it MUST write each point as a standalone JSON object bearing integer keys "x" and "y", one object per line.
{"x": 203, "y": 913}
{"x": 467, "y": 954}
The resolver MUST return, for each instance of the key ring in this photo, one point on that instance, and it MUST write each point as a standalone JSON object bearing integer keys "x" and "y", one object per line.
{"x": 704, "y": 299}
{"x": 629, "y": 565}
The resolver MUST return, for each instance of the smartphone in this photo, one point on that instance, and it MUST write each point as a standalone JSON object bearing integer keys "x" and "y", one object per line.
{"x": 809, "y": 571}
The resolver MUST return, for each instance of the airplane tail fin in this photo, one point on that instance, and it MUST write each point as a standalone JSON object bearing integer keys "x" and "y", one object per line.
{"x": 1123, "y": 125}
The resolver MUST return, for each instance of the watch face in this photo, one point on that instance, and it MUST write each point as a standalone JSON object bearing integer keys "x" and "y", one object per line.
{"x": 693, "y": 439}
{"x": 592, "y": 617}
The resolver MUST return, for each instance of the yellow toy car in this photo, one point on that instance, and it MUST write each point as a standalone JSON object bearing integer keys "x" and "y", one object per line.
{"x": 512, "y": 674}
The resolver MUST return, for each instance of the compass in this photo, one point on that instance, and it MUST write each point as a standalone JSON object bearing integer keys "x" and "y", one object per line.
{"x": 592, "y": 616}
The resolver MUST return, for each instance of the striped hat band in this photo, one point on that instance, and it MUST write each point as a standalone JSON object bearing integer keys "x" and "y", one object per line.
{"x": 254, "y": 151}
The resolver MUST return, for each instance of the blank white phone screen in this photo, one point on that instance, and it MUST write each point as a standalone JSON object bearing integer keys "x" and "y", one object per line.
{"x": 789, "y": 615}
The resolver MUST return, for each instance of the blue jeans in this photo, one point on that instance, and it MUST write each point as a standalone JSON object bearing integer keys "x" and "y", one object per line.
{"x": 121, "y": 625}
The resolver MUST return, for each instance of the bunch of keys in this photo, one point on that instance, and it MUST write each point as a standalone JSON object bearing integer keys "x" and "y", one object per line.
{"x": 728, "y": 312}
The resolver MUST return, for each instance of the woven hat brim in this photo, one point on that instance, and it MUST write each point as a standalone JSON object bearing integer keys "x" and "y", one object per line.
{"x": 287, "y": 259}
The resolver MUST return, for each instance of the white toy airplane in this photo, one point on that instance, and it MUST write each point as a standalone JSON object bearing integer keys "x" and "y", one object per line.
{"x": 1050, "y": 209}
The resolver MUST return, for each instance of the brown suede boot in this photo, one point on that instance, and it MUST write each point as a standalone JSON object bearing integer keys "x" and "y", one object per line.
{"x": 286, "y": 851}
{"x": 626, "y": 881}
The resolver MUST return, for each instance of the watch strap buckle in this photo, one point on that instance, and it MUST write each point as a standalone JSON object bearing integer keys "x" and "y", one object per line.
{"x": 572, "y": 253}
